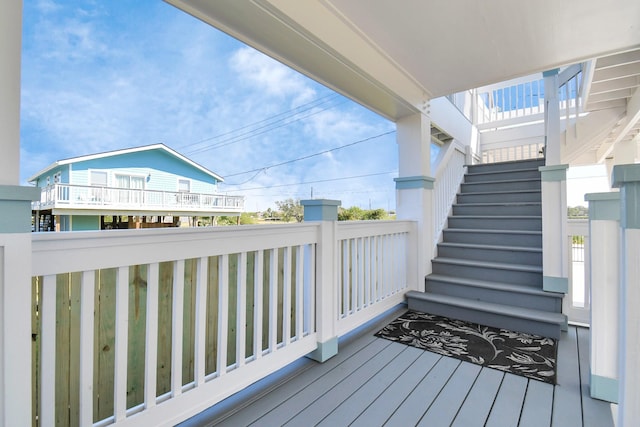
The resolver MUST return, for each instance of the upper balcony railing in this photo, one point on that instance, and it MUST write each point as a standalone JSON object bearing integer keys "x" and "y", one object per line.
{"x": 67, "y": 196}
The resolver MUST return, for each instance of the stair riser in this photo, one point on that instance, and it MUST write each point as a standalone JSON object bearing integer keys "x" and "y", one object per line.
{"x": 515, "y": 210}
{"x": 511, "y": 223}
{"x": 461, "y": 290}
{"x": 499, "y": 197}
{"x": 491, "y": 255}
{"x": 486, "y": 187}
{"x": 502, "y": 176}
{"x": 523, "y": 240}
{"x": 480, "y": 272}
{"x": 490, "y": 167}
{"x": 488, "y": 319}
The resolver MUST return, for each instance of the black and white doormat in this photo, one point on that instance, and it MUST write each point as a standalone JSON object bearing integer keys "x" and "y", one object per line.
{"x": 528, "y": 355}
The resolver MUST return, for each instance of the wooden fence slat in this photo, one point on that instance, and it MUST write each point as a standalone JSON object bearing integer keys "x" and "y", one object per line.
{"x": 286, "y": 296}
{"x": 63, "y": 347}
{"x": 165, "y": 310}
{"x": 36, "y": 337}
{"x": 250, "y": 305}
{"x": 151, "y": 338}
{"x": 273, "y": 300}
{"x": 121, "y": 330}
{"x": 299, "y": 292}
{"x": 200, "y": 347}
{"x": 104, "y": 334}
{"x": 223, "y": 309}
{"x": 213, "y": 295}
{"x": 48, "y": 352}
{"x": 86, "y": 347}
{"x": 232, "y": 308}
{"x": 74, "y": 289}
{"x": 241, "y": 309}
{"x": 258, "y": 303}
{"x": 136, "y": 334}
{"x": 177, "y": 318}
{"x": 189, "y": 320}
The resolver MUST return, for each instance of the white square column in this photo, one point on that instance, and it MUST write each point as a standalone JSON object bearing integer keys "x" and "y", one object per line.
{"x": 627, "y": 178}
{"x": 414, "y": 189}
{"x": 604, "y": 235}
{"x": 15, "y": 234}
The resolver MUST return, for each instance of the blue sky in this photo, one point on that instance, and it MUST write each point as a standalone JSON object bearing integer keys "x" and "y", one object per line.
{"x": 105, "y": 75}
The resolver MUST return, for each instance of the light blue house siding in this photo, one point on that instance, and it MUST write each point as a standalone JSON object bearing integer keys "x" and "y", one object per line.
{"x": 160, "y": 170}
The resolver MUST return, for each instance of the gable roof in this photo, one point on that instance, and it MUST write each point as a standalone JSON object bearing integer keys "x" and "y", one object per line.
{"x": 126, "y": 151}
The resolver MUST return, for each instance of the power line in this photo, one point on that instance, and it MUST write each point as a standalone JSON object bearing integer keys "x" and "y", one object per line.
{"x": 277, "y": 124}
{"x": 264, "y": 168}
{"x": 313, "y": 182}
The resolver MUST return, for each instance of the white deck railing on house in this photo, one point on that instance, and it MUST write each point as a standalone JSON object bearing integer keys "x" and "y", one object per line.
{"x": 67, "y": 196}
{"x": 149, "y": 327}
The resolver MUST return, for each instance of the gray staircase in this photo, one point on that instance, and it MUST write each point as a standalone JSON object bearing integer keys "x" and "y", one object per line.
{"x": 489, "y": 264}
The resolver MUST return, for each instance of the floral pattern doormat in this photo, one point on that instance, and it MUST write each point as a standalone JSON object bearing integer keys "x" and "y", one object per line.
{"x": 528, "y": 355}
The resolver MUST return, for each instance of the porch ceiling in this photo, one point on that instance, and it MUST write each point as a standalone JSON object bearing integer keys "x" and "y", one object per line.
{"x": 393, "y": 58}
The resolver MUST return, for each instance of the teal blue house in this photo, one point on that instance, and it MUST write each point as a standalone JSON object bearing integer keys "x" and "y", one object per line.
{"x": 142, "y": 187}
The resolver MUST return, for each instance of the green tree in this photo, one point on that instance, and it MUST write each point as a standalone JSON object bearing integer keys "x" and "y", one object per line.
{"x": 376, "y": 214}
{"x": 290, "y": 209}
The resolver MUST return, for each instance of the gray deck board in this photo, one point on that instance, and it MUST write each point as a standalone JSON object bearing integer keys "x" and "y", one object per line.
{"x": 508, "y": 404}
{"x": 538, "y": 403}
{"x": 444, "y": 409}
{"x": 392, "y": 397}
{"x": 567, "y": 400}
{"x": 596, "y": 413}
{"x": 417, "y": 403}
{"x": 319, "y": 407}
{"x": 375, "y": 382}
{"x": 351, "y": 407}
{"x": 476, "y": 407}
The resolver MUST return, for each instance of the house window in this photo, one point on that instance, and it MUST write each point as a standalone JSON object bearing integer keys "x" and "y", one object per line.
{"x": 184, "y": 186}
{"x": 57, "y": 177}
{"x": 129, "y": 181}
{"x": 98, "y": 178}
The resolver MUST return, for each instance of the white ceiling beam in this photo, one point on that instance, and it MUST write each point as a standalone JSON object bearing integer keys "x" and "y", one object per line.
{"x": 613, "y": 85}
{"x": 617, "y": 72}
{"x": 629, "y": 57}
{"x": 628, "y": 124}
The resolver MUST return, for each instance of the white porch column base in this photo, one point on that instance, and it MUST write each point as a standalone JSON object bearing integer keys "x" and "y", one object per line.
{"x": 627, "y": 178}
{"x": 414, "y": 199}
{"x": 555, "y": 260}
{"x": 326, "y": 309}
{"x": 604, "y": 234}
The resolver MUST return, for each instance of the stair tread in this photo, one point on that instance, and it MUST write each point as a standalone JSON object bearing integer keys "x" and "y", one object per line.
{"x": 484, "y": 230}
{"x": 491, "y": 247}
{"x": 491, "y": 307}
{"x": 505, "y": 171}
{"x": 499, "y": 181}
{"x": 487, "y": 264}
{"x": 499, "y": 204}
{"x": 500, "y": 192}
{"x": 500, "y": 286}
{"x": 498, "y": 216}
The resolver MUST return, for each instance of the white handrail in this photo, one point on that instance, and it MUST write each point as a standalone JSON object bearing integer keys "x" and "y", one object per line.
{"x": 447, "y": 183}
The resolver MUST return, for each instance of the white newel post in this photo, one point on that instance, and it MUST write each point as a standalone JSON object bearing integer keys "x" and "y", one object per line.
{"x": 604, "y": 234}
{"x": 15, "y": 234}
{"x": 627, "y": 178}
{"x": 325, "y": 212}
{"x": 555, "y": 262}
{"x": 414, "y": 189}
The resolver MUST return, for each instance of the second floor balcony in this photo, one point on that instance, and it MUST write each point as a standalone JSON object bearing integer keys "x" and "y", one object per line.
{"x": 69, "y": 197}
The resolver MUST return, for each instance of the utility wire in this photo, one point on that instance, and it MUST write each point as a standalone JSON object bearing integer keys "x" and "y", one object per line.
{"x": 313, "y": 103}
{"x": 286, "y": 121}
{"x": 264, "y": 168}
{"x": 313, "y": 182}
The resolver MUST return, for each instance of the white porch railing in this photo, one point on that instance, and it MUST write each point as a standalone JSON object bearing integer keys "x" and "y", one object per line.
{"x": 67, "y": 196}
{"x": 372, "y": 261}
{"x": 577, "y": 304}
{"x": 150, "y": 327}
{"x": 447, "y": 183}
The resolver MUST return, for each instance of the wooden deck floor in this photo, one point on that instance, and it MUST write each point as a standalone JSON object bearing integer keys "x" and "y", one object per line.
{"x": 375, "y": 382}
